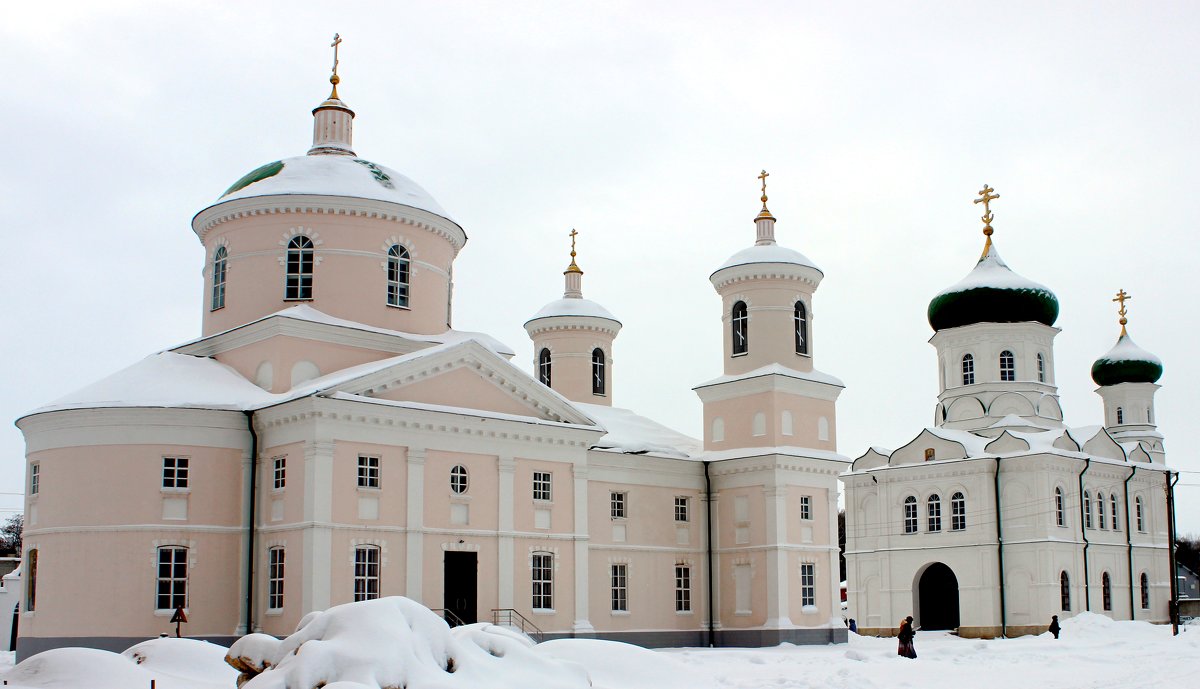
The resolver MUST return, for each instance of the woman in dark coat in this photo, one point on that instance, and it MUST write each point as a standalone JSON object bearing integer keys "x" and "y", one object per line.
{"x": 906, "y": 635}
{"x": 1054, "y": 628}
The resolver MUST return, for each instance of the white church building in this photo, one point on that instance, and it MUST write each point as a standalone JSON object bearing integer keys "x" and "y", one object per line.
{"x": 330, "y": 437}
{"x": 1000, "y": 515}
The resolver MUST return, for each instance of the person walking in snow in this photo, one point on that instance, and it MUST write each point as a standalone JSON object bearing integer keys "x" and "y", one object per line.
{"x": 1054, "y": 628}
{"x": 905, "y": 637}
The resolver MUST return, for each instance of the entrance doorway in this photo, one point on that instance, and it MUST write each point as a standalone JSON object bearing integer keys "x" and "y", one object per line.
{"x": 937, "y": 598}
{"x": 461, "y": 577}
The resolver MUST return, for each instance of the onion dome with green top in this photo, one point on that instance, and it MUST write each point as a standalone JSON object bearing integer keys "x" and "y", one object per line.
{"x": 1126, "y": 363}
{"x": 992, "y": 293}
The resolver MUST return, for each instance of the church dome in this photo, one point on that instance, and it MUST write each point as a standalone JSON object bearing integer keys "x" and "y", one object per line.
{"x": 767, "y": 253}
{"x": 573, "y": 307}
{"x": 1126, "y": 363}
{"x": 992, "y": 293}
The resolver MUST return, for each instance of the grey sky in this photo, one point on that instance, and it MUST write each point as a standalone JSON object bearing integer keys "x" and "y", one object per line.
{"x": 643, "y": 125}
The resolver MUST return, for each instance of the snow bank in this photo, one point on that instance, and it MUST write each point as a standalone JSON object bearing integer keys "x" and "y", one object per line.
{"x": 173, "y": 663}
{"x": 614, "y": 665}
{"x": 397, "y": 642}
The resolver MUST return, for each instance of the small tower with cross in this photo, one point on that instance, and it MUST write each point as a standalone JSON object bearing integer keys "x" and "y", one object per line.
{"x": 333, "y": 120}
{"x": 1127, "y": 377}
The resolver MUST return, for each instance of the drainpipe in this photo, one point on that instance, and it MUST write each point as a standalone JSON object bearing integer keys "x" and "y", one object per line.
{"x": 250, "y": 522}
{"x": 709, "y": 556}
{"x": 1087, "y": 593}
{"x": 1129, "y": 542}
{"x": 1173, "y": 606}
{"x": 1000, "y": 553}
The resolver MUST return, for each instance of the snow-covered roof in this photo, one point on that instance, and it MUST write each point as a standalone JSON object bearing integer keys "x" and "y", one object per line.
{"x": 631, "y": 433}
{"x": 334, "y": 175}
{"x": 1014, "y": 421}
{"x": 449, "y": 409}
{"x": 1127, "y": 350}
{"x": 768, "y": 253}
{"x": 786, "y": 450}
{"x": 992, "y": 271}
{"x": 778, "y": 369}
{"x": 573, "y": 307}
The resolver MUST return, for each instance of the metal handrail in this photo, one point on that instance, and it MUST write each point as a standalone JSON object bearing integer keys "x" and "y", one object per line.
{"x": 507, "y": 617}
{"x": 451, "y": 619}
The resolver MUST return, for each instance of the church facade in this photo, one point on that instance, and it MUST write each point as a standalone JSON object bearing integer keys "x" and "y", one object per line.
{"x": 330, "y": 437}
{"x": 1000, "y": 515}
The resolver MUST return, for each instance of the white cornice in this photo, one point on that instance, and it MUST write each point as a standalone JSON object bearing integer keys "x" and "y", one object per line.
{"x": 538, "y": 326}
{"x": 134, "y": 426}
{"x": 765, "y": 271}
{"x": 278, "y": 325}
{"x": 768, "y": 382}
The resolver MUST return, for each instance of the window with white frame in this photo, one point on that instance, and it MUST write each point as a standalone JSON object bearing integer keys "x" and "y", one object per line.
{"x": 35, "y": 478}
{"x": 368, "y": 471}
{"x": 366, "y": 572}
{"x": 808, "y": 584}
{"x": 397, "y": 276}
{"x": 219, "y": 265}
{"x": 616, "y": 503}
{"x": 542, "y": 575}
{"x": 1120, "y": 416}
{"x": 544, "y": 367}
{"x": 31, "y": 568}
{"x": 279, "y": 472}
{"x": 458, "y": 479}
{"x": 968, "y": 369}
{"x": 683, "y": 588}
{"x": 620, "y": 587}
{"x": 933, "y": 513}
{"x": 1116, "y": 525}
{"x": 1137, "y": 511}
{"x": 1060, "y": 508}
{"x": 172, "y": 582}
{"x": 541, "y": 485}
{"x": 1145, "y": 585}
{"x": 806, "y": 507}
{"x": 958, "y": 512}
{"x": 275, "y": 562}
{"x": 739, "y": 323}
{"x": 1106, "y": 590}
{"x": 910, "y": 514}
{"x": 800, "y": 316}
{"x": 1041, "y": 364}
{"x": 1087, "y": 509}
{"x": 681, "y": 508}
{"x": 1008, "y": 366}
{"x": 1064, "y": 591}
{"x": 1100, "y": 510}
{"x": 299, "y": 284}
{"x": 175, "y": 472}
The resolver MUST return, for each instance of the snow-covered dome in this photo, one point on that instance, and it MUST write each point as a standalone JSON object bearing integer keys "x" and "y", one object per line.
{"x": 768, "y": 253}
{"x": 332, "y": 175}
{"x": 992, "y": 293}
{"x": 573, "y": 307}
{"x": 1126, "y": 363}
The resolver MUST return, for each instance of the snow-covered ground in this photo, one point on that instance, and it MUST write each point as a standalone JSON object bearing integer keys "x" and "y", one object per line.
{"x": 394, "y": 644}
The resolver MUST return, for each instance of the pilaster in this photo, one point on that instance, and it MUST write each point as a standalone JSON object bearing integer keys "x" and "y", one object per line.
{"x": 582, "y": 625}
{"x": 415, "y": 538}
{"x": 318, "y": 511}
{"x": 507, "y": 469}
{"x": 777, "y": 558}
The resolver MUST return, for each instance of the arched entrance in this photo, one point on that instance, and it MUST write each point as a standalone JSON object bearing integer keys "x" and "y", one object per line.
{"x": 936, "y": 599}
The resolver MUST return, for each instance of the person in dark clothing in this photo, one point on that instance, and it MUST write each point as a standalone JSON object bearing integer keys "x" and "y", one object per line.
{"x": 905, "y": 637}
{"x": 853, "y": 625}
{"x": 1054, "y": 628}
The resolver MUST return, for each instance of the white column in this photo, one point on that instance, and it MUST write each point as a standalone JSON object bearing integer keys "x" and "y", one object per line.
{"x": 582, "y": 625}
{"x": 247, "y": 470}
{"x": 504, "y": 558}
{"x": 777, "y": 558}
{"x": 318, "y": 512}
{"x": 415, "y": 537}
{"x": 835, "y": 562}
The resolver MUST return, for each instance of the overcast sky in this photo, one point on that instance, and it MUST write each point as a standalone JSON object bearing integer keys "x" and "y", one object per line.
{"x": 644, "y": 125}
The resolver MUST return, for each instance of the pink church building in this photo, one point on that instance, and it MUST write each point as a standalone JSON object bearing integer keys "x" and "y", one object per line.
{"x": 330, "y": 437}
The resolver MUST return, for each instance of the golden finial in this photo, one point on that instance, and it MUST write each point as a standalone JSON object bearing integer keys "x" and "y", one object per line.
{"x": 985, "y": 197}
{"x": 1122, "y": 296}
{"x": 764, "y": 212}
{"x": 573, "y": 268}
{"x": 334, "y": 79}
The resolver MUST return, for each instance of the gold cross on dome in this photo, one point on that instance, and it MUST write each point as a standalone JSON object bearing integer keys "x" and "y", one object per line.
{"x": 334, "y": 78}
{"x": 763, "y": 176}
{"x": 985, "y": 197}
{"x": 572, "y": 234}
{"x": 1122, "y": 296}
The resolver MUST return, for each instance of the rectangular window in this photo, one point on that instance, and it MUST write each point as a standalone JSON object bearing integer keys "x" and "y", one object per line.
{"x": 275, "y": 558}
{"x": 620, "y": 588}
{"x": 35, "y": 471}
{"x": 541, "y": 485}
{"x": 543, "y": 581}
{"x": 368, "y": 471}
{"x": 366, "y": 572}
{"x": 172, "y": 578}
{"x": 741, "y": 581}
{"x": 617, "y": 505}
{"x": 31, "y": 566}
{"x": 808, "y": 584}
{"x": 910, "y": 515}
{"x": 958, "y": 512}
{"x": 681, "y": 509}
{"x": 934, "y": 514}
{"x": 175, "y": 472}
{"x": 279, "y": 469}
{"x": 683, "y": 588}
{"x": 806, "y": 507}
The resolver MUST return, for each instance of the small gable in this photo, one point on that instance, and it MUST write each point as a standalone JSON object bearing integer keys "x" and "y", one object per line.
{"x": 871, "y": 459}
{"x": 1066, "y": 442}
{"x": 1102, "y": 445}
{"x": 927, "y": 447}
{"x": 462, "y": 387}
{"x": 1140, "y": 454}
{"x": 1007, "y": 443}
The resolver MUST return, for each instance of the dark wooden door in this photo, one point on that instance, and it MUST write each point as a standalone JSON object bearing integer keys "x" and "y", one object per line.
{"x": 461, "y": 576}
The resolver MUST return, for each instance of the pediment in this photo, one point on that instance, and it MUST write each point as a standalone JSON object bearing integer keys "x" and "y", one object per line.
{"x": 1102, "y": 445}
{"x": 1007, "y": 443}
{"x": 915, "y": 451}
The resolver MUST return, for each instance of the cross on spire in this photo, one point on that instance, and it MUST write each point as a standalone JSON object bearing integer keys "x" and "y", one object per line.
{"x": 763, "y": 176}
{"x": 1122, "y": 297}
{"x": 573, "y": 268}
{"x": 334, "y": 79}
{"x": 985, "y": 197}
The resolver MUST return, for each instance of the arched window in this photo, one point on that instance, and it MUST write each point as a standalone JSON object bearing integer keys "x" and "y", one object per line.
{"x": 544, "y": 366}
{"x": 1087, "y": 509}
{"x": 910, "y": 514}
{"x": 958, "y": 512}
{"x": 968, "y": 369}
{"x": 220, "y": 263}
{"x": 1064, "y": 591}
{"x": 801, "y": 322}
{"x": 458, "y": 479}
{"x": 933, "y": 513}
{"x": 1041, "y": 363}
{"x": 31, "y": 566}
{"x": 1150, "y": 415}
{"x": 1008, "y": 366}
{"x": 1106, "y": 590}
{"x": 785, "y": 423}
{"x": 1115, "y": 524}
{"x": 759, "y": 424}
{"x": 1100, "y": 509}
{"x": 739, "y": 328}
{"x": 718, "y": 430}
{"x": 1137, "y": 510}
{"x": 1060, "y": 511}
{"x": 397, "y": 276}
{"x": 1120, "y": 416}
{"x": 1145, "y": 582}
{"x": 597, "y": 371}
{"x": 299, "y": 268}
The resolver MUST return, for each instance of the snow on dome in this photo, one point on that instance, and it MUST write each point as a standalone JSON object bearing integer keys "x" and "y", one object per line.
{"x": 630, "y": 433}
{"x": 1126, "y": 363}
{"x": 573, "y": 307}
{"x": 397, "y": 642}
{"x": 992, "y": 293}
{"x": 768, "y": 253}
{"x": 333, "y": 175}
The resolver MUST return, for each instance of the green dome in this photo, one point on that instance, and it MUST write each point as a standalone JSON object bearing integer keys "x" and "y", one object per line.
{"x": 992, "y": 293}
{"x": 1126, "y": 363}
